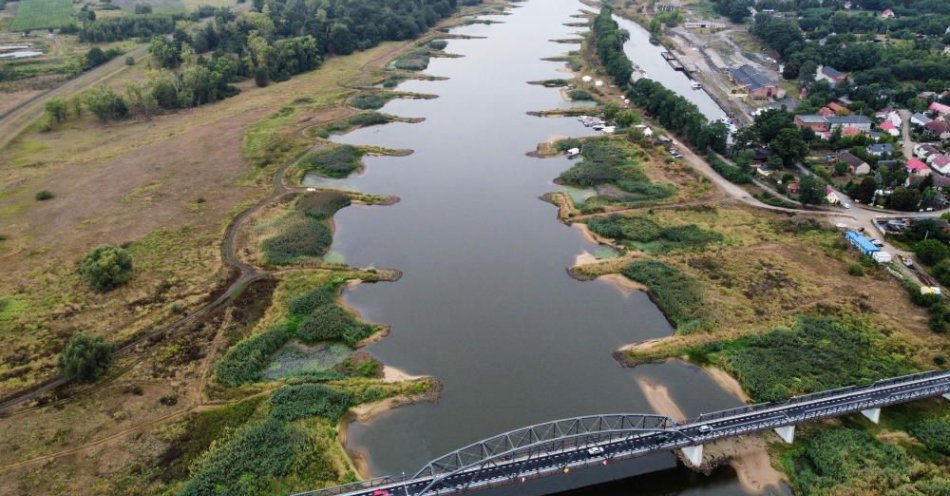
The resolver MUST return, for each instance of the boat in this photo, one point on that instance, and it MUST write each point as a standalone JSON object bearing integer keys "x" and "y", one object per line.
{"x": 654, "y": 40}
{"x": 696, "y": 85}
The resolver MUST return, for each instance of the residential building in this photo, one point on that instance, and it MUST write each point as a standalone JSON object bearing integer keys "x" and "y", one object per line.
{"x": 838, "y": 108}
{"x": 939, "y": 109}
{"x": 917, "y": 168}
{"x": 856, "y": 165}
{"x": 888, "y": 14}
{"x": 755, "y": 84}
{"x": 830, "y": 74}
{"x": 919, "y": 119}
{"x": 940, "y": 163}
{"x": 924, "y": 150}
{"x": 825, "y": 112}
{"x": 881, "y": 149}
{"x": 816, "y": 123}
{"x": 859, "y": 122}
{"x": 890, "y": 128}
{"x": 937, "y": 128}
{"x": 793, "y": 188}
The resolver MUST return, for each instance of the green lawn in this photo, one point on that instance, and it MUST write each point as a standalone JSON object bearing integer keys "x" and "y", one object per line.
{"x": 36, "y": 14}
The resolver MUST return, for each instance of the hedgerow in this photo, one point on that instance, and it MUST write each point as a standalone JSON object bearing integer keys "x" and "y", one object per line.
{"x": 731, "y": 172}
{"x": 678, "y": 296}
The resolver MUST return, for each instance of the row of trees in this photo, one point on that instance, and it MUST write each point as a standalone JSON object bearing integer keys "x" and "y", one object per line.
{"x": 110, "y": 29}
{"x": 610, "y": 39}
{"x": 679, "y": 115}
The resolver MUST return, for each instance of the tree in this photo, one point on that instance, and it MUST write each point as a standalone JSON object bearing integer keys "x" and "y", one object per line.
{"x": 166, "y": 52}
{"x": 106, "y": 267}
{"x": 810, "y": 190}
{"x": 790, "y": 146}
{"x": 941, "y": 271}
{"x": 864, "y": 191}
{"x": 931, "y": 251}
{"x": 57, "y": 109}
{"x": 85, "y": 358}
{"x": 106, "y": 104}
{"x": 905, "y": 199}
{"x": 94, "y": 58}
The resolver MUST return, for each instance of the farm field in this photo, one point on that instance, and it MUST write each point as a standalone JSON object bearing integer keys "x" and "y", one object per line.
{"x": 37, "y": 14}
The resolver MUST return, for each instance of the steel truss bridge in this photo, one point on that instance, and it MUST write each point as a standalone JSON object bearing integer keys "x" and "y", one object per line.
{"x": 559, "y": 446}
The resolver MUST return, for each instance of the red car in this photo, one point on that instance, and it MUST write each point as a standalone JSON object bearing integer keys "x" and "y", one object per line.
{"x": 382, "y": 492}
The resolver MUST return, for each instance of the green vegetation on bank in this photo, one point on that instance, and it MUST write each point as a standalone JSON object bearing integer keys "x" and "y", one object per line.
{"x": 311, "y": 317}
{"x": 679, "y": 296}
{"x": 335, "y": 161}
{"x": 645, "y": 234}
{"x": 304, "y": 232}
{"x": 609, "y": 39}
{"x": 362, "y": 119}
{"x": 417, "y": 60}
{"x": 816, "y": 354}
{"x": 606, "y": 161}
{"x": 85, "y": 358}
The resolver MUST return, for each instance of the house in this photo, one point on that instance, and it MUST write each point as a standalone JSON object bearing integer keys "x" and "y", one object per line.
{"x": 859, "y": 122}
{"x": 816, "y": 123}
{"x": 939, "y": 109}
{"x": 940, "y": 163}
{"x": 667, "y": 7}
{"x": 890, "y": 128}
{"x": 888, "y": 14}
{"x": 938, "y": 129}
{"x": 831, "y": 197}
{"x": 924, "y": 150}
{"x": 888, "y": 164}
{"x": 793, "y": 188}
{"x": 881, "y": 149}
{"x": 830, "y": 74}
{"x": 917, "y": 168}
{"x": 755, "y": 84}
{"x": 919, "y": 119}
{"x": 856, "y": 165}
{"x": 825, "y": 112}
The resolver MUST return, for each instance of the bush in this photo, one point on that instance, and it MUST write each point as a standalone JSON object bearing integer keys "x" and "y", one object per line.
{"x": 418, "y": 60}
{"x": 935, "y": 433}
{"x": 323, "y": 204}
{"x": 106, "y": 267}
{"x": 302, "y": 237}
{"x": 44, "y": 195}
{"x": 309, "y": 400}
{"x": 336, "y": 161}
{"x": 732, "y": 173}
{"x": 331, "y": 322}
{"x": 85, "y": 358}
{"x": 367, "y": 119}
{"x": 367, "y": 101}
{"x": 308, "y": 303}
{"x": 931, "y": 251}
{"x": 438, "y": 44}
{"x": 244, "y": 362}
{"x": 579, "y": 95}
{"x": 130, "y": 60}
{"x": 678, "y": 296}
{"x": 855, "y": 270}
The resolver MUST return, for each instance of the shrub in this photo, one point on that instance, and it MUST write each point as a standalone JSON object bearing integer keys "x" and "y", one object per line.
{"x": 336, "y": 161}
{"x": 302, "y": 237}
{"x": 935, "y": 433}
{"x": 931, "y": 251}
{"x": 308, "y": 400}
{"x": 243, "y": 362}
{"x": 417, "y": 60}
{"x": 85, "y": 358}
{"x": 732, "y": 173}
{"x": 308, "y": 303}
{"x": 438, "y": 44}
{"x": 367, "y": 119}
{"x": 580, "y": 95}
{"x": 44, "y": 195}
{"x": 367, "y": 101}
{"x": 106, "y": 267}
{"x": 130, "y": 60}
{"x": 855, "y": 270}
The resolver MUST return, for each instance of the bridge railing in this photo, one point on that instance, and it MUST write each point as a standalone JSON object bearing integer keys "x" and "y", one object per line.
{"x": 356, "y": 486}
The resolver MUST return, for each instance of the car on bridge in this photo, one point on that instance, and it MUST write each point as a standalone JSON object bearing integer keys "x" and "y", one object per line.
{"x": 595, "y": 451}
{"x": 382, "y": 492}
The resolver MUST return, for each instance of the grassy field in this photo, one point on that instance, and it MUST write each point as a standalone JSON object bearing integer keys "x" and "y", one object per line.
{"x": 37, "y": 14}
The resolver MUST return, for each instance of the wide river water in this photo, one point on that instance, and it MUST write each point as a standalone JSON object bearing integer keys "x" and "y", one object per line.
{"x": 485, "y": 303}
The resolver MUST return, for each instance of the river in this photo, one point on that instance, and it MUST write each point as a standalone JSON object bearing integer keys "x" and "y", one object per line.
{"x": 485, "y": 303}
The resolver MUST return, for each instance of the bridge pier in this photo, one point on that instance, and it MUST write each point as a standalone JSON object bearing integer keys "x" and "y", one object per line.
{"x": 694, "y": 454}
{"x": 787, "y": 433}
{"x": 873, "y": 414}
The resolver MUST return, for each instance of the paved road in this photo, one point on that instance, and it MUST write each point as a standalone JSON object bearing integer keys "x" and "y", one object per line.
{"x": 908, "y": 144}
{"x": 17, "y": 119}
{"x": 561, "y": 454}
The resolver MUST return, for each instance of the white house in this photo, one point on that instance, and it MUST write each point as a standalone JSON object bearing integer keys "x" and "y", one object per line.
{"x": 919, "y": 119}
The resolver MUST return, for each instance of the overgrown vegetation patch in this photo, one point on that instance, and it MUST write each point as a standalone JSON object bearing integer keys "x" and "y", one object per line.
{"x": 644, "y": 233}
{"x": 616, "y": 163}
{"x": 369, "y": 101}
{"x": 336, "y": 161}
{"x": 816, "y": 354}
{"x": 678, "y": 295}
{"x": 416, "y": 60}
{"x": 304, "y": 233}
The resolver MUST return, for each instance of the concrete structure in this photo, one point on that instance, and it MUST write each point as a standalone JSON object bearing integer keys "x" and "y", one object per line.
{"x": 863, "y": 244}
{"x": 755, "y": 84}
{"x": 561, "y": 447}
{"x": 830, "y": 74}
